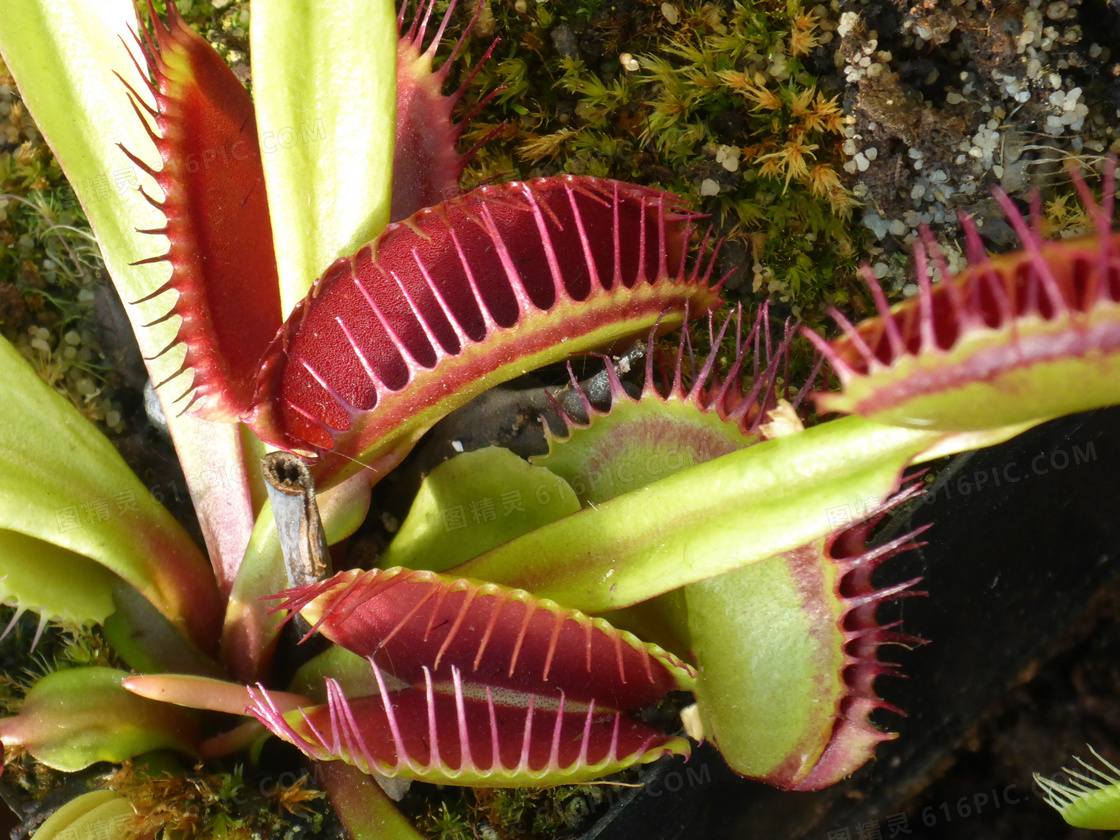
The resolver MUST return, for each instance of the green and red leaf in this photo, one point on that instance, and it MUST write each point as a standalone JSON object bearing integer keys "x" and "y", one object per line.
{"x": 501, "y": 688}
{"x": 463, "y": 296}
{"x": 427, "y": 164}
{"x": 1012, "y": 339}
{"x": 787, "y": 658}
{"x": 77, "y": 717}
{"x": 218, "y": 227}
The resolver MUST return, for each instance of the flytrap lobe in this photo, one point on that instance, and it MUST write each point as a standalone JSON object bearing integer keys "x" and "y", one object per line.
{"x": 463, "y": 296}
{"x": 785, "y": 649}
{"x": 693, "y": 422}
{"x": 787, "y": 652}
{"x": 500, "y": 688}
{"x": 427, "y": 164}
{"x": 1012, "y": 339}
{"x": 223, "y": 265}
{"x": 1088, "y": 796}
{"x": 454, "y": 299}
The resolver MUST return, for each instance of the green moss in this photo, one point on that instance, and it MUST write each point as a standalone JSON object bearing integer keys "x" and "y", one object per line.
{"x": 720, "y": 105}
{"x": 233, "y": 804}
{"x": 505, "y": 814}
{"x": 443, "y": 823}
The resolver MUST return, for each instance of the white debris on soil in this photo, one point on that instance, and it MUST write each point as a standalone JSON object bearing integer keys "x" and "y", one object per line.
{"x": 947, "y": 99}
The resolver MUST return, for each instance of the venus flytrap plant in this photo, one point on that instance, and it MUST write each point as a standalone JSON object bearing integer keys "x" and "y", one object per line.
{"x": 594, "y": 288}
{"x": 497, "y": 671}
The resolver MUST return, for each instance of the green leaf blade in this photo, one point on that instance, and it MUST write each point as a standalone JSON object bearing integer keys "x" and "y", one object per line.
{"x": 78, "y": 717}
{"x": 63, "y": 483}
{"x": 328, "y": 158}
{"x": 708, "y": 520}
{"x": 472, "y": 503}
